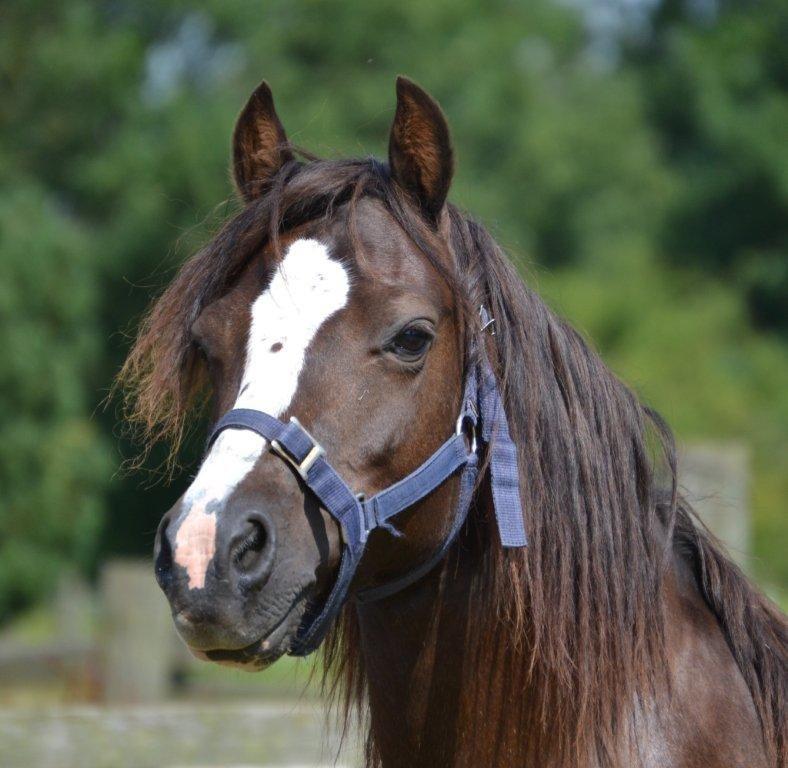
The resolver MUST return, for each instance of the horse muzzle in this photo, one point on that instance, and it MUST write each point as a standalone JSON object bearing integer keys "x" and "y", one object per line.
{"x": 232, "y": 601}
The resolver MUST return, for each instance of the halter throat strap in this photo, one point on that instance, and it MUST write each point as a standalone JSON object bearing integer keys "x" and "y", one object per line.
{"x": 482, "y": 418}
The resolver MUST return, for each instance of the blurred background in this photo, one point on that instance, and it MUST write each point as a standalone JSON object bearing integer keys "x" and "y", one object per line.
{"x": 631, "y": 156}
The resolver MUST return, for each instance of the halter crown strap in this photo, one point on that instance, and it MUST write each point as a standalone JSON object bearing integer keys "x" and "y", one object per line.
{"x": 482, "y": 413}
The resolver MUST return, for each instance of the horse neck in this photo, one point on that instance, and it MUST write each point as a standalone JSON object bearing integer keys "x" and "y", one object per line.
{"x": 443, "y": 689}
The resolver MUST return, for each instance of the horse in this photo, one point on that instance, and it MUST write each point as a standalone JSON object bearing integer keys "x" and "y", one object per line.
{"x": 588, "y": 619}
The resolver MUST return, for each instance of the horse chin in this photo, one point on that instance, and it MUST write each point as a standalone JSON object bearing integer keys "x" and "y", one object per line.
{"x": 254, "y": 658}
{"x": 260, "y": 654}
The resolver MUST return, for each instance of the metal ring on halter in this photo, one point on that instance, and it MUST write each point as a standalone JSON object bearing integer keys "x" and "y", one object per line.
{"x": 460, "y": 429}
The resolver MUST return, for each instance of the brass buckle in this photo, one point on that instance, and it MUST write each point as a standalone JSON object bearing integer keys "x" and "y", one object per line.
{"x": 314, "y": 454}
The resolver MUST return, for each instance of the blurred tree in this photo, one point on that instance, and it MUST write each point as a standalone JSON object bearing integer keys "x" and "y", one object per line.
{"x": 54, "y": 464}
{"x": 715, "y": 83}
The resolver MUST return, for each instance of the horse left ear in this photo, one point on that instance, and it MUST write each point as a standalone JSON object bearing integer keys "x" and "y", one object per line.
{"x": 260, "y": 146}
{"x": 420, "y": 153}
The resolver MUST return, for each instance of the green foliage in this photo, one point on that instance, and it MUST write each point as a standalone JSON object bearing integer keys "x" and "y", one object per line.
{"x": 716, "y": 95}
{"x": 647, "y": 200}
{"x": 53, "y": 461}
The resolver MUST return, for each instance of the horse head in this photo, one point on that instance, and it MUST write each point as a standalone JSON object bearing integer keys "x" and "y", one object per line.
{"x": 339, "y": 321}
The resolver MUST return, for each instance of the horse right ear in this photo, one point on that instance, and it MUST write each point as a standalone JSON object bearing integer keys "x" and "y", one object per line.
{"x": 260, "y": 146}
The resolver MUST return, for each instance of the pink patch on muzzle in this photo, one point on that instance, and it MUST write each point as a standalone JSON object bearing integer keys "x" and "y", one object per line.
{"x": 195, "y": 544}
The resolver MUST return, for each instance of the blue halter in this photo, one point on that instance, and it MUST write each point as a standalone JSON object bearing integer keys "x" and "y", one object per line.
{"x": 482, "y": 417}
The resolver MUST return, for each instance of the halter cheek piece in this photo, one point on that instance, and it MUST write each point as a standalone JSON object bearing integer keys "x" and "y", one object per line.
{"x": 482, "y": 418}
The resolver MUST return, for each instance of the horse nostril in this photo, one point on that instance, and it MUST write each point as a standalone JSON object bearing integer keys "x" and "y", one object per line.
{"x": 250, "y": 548}
{"x": 253, "y": 548}
{"x": 163, "y": 555}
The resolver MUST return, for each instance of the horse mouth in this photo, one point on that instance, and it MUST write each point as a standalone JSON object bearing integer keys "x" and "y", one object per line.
{"x": 260, "y": 654}
{"x": 254, "y": 658}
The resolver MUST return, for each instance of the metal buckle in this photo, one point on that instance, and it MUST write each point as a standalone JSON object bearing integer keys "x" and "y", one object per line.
{"x": 314, "y": 453}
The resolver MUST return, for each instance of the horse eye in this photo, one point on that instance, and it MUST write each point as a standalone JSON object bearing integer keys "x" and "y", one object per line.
{"x": 411, "y": 343}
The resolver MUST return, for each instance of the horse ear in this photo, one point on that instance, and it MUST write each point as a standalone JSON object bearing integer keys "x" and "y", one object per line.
{"x": 420, "y": 153}
{"x": 260, "y": 146}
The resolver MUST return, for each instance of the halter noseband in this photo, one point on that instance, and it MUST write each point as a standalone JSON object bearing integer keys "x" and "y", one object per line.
{"x": 482, "y": 418}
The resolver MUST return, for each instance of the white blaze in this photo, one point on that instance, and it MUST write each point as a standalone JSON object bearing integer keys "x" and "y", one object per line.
{"x": 306, "y": 289}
